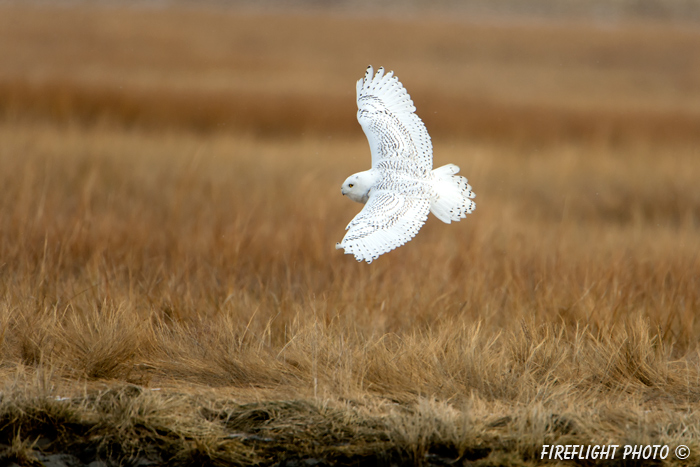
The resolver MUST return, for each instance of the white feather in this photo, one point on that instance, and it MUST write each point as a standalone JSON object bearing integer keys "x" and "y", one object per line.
{"x": 401, "y": 187}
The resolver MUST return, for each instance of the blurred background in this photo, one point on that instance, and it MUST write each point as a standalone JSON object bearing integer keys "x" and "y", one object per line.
{"x": 536, "y": 70}
{"x": 186, "y": 157}
{"x": 180, "y": 162}
{"x": 170, "y": 178}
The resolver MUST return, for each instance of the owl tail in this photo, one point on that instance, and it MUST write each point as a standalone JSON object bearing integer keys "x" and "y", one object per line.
{"x": 453, "y": 195}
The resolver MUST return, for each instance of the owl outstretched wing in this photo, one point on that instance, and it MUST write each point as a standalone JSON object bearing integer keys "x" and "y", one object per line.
{"x": 389, "y": 219}
{"x": 397, "y": 137}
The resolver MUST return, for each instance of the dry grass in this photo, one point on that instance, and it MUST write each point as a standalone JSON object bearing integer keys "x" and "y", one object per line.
{"x": 173, "y": 295}
{"x": 184, "y": 262}
{"x": 214, "y": 69}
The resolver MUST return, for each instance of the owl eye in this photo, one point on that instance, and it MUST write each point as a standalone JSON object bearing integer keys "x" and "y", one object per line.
{"x": 351, "y": 185}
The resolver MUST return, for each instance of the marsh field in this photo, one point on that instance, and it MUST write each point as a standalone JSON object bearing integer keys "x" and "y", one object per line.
{"x": 170, "y": 199}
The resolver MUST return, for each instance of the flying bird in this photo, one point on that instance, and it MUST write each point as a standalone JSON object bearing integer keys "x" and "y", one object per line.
{"x": 401, "y": 187}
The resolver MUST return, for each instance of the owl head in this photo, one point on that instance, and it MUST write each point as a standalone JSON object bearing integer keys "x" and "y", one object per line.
{"x": 357, "y": 186}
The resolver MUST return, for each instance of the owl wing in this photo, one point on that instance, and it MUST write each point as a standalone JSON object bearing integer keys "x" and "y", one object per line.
{"x": 389, "y": 219}
{"x": 397, "y": 137}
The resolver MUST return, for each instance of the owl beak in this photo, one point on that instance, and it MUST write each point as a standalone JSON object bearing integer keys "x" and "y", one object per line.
{"x": 342, "y": 191}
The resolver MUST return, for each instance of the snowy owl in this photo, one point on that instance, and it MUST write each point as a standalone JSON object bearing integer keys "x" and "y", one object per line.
{"x": 401, "y": 187}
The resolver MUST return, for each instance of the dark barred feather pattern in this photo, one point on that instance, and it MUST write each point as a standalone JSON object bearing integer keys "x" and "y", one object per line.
{"x": 402, "y": 159}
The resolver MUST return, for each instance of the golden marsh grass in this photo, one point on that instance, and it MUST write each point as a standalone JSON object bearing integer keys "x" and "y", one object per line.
{"x": 169, "y": 287}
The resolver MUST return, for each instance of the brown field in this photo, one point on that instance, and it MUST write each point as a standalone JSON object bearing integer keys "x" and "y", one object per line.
{"x": 170, "y": 292}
